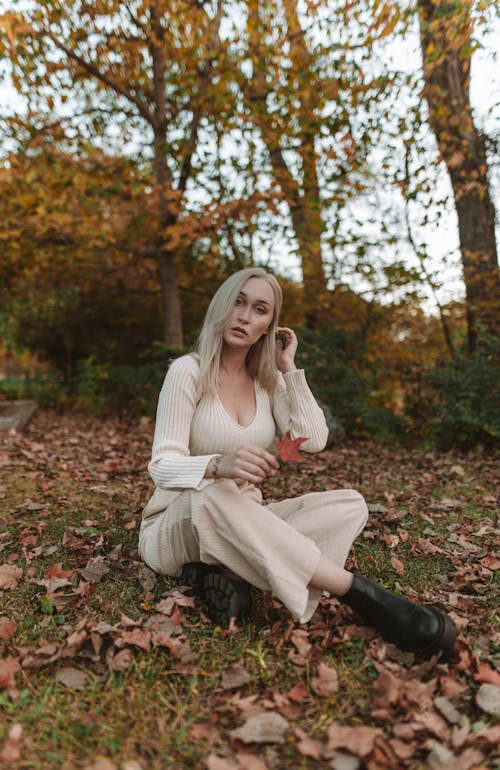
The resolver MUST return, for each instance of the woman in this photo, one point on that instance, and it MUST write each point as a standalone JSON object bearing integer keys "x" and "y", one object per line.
{"x": 218, "y": 415}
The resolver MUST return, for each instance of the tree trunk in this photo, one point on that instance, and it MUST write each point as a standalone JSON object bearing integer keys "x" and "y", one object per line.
{"x": 445, "y": 31}
{"x": 301, "y": 194}
{"x": 166, "y": 258}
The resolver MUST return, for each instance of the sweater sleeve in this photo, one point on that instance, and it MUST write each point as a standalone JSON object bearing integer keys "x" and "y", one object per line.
{"x": 171, "y": 464}
{"x": 296, "y": 410}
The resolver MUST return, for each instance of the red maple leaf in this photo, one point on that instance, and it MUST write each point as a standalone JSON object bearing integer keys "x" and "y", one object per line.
{"x": 288, "y": 448}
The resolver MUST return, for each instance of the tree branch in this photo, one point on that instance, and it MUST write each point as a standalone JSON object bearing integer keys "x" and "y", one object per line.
{"x": 104, "y": 78}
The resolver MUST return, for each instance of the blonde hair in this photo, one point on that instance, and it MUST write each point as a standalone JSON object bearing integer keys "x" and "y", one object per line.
{"x": 261, "y": 358}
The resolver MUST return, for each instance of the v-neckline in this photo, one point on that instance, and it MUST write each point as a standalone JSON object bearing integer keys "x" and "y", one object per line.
{"x": 230, "y": 417}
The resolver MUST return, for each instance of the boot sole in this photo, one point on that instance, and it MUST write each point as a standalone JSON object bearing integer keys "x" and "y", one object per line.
{"x": 224, "y": 594}
{"x": 225, "y": 597}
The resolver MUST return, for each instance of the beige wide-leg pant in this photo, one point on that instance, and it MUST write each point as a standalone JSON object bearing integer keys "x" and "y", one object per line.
{"x": 275, "y": 547}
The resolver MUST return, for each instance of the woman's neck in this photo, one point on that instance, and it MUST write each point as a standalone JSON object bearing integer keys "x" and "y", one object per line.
{"x": 233, "y": 362}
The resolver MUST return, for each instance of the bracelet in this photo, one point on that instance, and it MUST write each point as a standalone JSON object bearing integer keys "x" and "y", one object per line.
{"x": 215, "y": 466}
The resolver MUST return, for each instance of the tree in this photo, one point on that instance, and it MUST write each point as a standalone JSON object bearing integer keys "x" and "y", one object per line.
{"x": 307, "y": 91}
{"x": 446, "y": 29}
{"x": 136, "y": 74}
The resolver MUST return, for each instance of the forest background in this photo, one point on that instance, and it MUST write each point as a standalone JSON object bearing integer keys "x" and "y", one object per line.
{"x": 154, "y": 148}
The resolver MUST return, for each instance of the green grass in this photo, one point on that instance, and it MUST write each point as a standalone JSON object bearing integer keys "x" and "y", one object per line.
{"x": 147, "y": 713}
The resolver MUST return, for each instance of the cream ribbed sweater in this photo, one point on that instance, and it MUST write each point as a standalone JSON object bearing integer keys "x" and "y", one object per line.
{"x": 190, "y": 430}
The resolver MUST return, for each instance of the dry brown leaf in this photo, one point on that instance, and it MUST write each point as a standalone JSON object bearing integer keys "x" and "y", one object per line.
{"x": 488, "y": 698}
{"x": 250, "y": 762}
{"x": 9, "y": 576}
{"x": 452, "y": 687}
{"x": 11, "y": 751}
{"x": 262, "y": 728}
{"x": 358, "y": 740}
{"x": 307, "y": 746}
{"x": 235, "y": 676}
{"x": 468, "y": 760}
{"x": 204, "y": 731}
{"x": 326, "y": 681}
{"x": 95, "y": 569}
{"x": 214, "y": 762}
{"x": 398, "y": 565}
{"x": 101, "y": 763}
{"x": 300, "y": 639}
{"x": 9, "y": 667}
{"x": 167, "y": 606}
{"x": 138, "y": 637}
{"x": 8, "y": 628}
{"x": 485, "y": 673}
{"x": 298, "y": 693}
{"x": 448, "y": 710}
{"x": 73, "y": 678}
{"x": 122, "y": 660}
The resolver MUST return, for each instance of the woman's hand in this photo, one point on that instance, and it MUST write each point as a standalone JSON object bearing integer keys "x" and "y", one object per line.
{"x": 249, "y": 463}
{"x": 285, "y": 353}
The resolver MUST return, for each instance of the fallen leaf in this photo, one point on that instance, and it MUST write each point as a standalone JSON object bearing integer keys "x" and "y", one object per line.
{"x": 139, "y": 638}
{"x": 288, "y": 448}
{"x": 203, "y": 731}
{"x": 8, "y": 628}
{"x": 101, "y": 763}
{"x": 488, "y": 698}
{"x": 341, "y": 761}
{"x": 250, "y": 762}
{"x": 485, "y": 673}
{"x": 470, "y": 759}
{"x": 235, "y": 676}
{"x": 11, "y": 751}
{"x": 214, "y": 762}
{"x": 307, "y": 746}
{"x": 326, "y": 680}
{"x": 9, "y": 667}
{"x": 73, "y": 678}
{"x": 122, "y": 660}
{"x": 262, "y": 728}
{"x": 95, "y": 569}
{"x": 398, "y": 565}
{"x": 167, "y": 606}
{"x": 9, "y": 576}
{"x": 359, "y": 740}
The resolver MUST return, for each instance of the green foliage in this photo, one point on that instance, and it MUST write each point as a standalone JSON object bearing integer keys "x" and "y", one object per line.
{"x": 462, "y": 398}
{"x": 43, "y": 387}
{"x": 103, "y": 386}
{"x": 342, "y": 376}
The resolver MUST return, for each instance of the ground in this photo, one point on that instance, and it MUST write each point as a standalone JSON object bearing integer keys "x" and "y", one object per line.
{"x": 105, "y": 665}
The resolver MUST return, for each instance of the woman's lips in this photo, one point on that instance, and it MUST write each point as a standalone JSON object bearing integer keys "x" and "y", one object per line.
{"x": 237, "y": 330}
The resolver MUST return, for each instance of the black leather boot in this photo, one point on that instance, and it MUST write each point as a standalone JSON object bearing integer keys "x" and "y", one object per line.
{"x": 224, "y": 594}
{"x": 422, "y": 629}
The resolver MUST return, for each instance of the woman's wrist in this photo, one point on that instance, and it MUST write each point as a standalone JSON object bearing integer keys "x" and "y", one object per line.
{"x": 214, "y": 469}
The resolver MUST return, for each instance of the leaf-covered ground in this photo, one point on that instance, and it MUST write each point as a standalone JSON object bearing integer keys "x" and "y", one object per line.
{"x": 104, "y": 665}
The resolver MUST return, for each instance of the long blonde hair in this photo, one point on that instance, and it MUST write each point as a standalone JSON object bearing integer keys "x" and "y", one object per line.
{"x": 261, "y": 358}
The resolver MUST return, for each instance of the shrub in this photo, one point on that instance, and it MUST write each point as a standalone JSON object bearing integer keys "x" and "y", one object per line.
{"x": 102, "y": 386}
{"x": 341, "y": 376}
{"x": 462, "y": 398}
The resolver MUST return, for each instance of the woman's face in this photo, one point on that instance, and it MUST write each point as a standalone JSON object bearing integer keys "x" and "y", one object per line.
{"x": 252, "y": 314}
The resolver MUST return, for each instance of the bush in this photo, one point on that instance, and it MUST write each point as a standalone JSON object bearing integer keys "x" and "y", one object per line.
{"x": 102, "y": 386}
{"x": 45, "y": 389}
{"x": 341, "y": 376}
{"x": 462, "y": 398}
